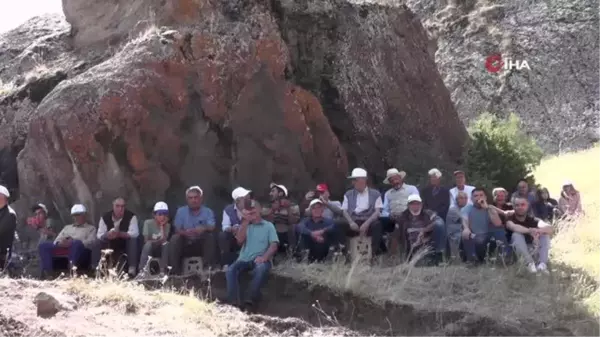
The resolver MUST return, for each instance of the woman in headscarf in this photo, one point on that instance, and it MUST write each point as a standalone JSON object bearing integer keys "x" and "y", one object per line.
{"x": 570, "y": 200}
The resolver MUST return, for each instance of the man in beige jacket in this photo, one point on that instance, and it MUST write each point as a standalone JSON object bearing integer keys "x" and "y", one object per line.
{"x": 75, "y": 240}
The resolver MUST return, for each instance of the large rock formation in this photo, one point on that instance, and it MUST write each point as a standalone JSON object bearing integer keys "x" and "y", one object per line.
{"x": 557, "y": 99}
{"x": 143, "y": 98}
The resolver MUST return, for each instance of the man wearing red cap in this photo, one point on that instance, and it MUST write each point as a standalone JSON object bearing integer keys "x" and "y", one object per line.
{"x": 332, "y": 208}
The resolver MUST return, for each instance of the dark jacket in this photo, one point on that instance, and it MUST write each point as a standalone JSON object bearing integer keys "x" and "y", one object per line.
{"x": 8, "y": 226}
{"x": 439, "y": 203}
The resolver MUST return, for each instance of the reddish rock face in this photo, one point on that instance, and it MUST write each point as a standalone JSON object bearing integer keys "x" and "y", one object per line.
{"x": 228, "y": 98}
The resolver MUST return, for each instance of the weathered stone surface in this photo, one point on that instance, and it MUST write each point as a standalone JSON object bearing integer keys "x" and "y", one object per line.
{"x": 224, "y": 95}
{"x": 558, "y": 98}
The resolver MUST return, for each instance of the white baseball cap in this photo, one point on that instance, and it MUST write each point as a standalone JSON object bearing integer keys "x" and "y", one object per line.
{"x": 194, "y": 188}
{"x": 78, "y": 209}
{"x": 281, "y": 187}
{"x": 161, "y": 206}
{"x": 314, "y": 202}
{"x": 414, "y": 197}
{"x": 240, "y": 192}
{"x": 4, "y": 191}
{"x": 358, "y": 173}
{"x": 42, "y": 206}
{"x": 567, "y": 183}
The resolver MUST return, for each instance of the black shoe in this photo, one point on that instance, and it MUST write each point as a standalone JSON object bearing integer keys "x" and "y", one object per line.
{"x": 249, "y": 307}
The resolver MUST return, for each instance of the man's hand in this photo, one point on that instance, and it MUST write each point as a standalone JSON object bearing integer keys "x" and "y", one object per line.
{"x": 354, "y": 226}
{"x": 364, "y": 228}
{"x": 466, "y": 234}
{"x": 285, "y": 204}
{"x": 46, "y": 231}
{"x": 535, "y": 232}
{"x": 483, "y": 203}
{"x": 234, "y": 229}
{"x": 260, "y": 259}
{"x": 310, "y": 195}
{"x": 317, "y": 236}
{"x": 66, "y": 242}
{"x": 112, "y": 234}
{"x": 421, "y": 236}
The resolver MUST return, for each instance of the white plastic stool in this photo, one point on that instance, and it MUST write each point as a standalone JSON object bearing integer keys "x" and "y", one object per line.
{"x": 192, "y": 265}
{"x": 360, "y": 248}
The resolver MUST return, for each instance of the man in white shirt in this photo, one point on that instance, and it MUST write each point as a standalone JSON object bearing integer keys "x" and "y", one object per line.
{"x": 118, "y": 230}
{"x": 76, "y": 239}
{"x": 461, "y": 180}
{"x": 362, "y": 207}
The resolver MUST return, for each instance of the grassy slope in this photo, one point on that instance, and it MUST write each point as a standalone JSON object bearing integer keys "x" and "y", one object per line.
{"x": 578, "y": 244}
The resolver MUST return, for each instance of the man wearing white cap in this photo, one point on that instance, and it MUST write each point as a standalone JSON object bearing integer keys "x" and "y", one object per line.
{"x": 415, "y": 226}
{"x": 284, "y": 215}
{"x": 78, "y": 239}
{"x": 157, "y": 232}
{"x": 118, "y": 230}
{"x": 194, "y": 232}
{"x": 8, "y": 227}
{"x": 232, "y": 218}
{"x": 435, "y": 196}
{"x": 362, "y": 206}
{"x": 461, "y": 180}
{"x": 317, "y": 233}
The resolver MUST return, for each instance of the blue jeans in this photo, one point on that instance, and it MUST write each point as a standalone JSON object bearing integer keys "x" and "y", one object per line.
{"x": 440, "y": 236}
{"x": 476, "y": 248}
{"x": 46, "y": 250}
{"x": 261, "y": 273}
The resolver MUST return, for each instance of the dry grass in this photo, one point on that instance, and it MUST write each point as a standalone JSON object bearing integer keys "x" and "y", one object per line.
{"x": 578, "y": 243}
{"x": 568, "y": 295}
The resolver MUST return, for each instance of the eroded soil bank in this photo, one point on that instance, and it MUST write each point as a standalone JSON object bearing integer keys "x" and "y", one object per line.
{"x": 320, "y": 306}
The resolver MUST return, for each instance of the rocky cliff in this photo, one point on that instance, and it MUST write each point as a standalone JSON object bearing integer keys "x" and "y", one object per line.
{"x": 142, "y": 98}
{"x": 557, "y": 98}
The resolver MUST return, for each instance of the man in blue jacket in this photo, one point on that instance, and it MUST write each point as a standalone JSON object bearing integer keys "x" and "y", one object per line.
{"x": 317, "y": 233}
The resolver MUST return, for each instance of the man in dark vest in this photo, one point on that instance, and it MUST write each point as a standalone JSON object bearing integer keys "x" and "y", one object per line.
{"x": 118, "y": 230}
{"x": 232, "y": 218}
{"x": 362, "y": 206}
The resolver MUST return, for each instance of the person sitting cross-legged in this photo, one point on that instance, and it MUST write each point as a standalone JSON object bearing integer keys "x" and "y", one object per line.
{"x": 157, "y": 233}
{"x": 526, "y": 231}
{"x": 483, "y": 227}
{"x": 317, "y": 233}
{"x": 77, "y": 238}
{"x": 259, "y": 242}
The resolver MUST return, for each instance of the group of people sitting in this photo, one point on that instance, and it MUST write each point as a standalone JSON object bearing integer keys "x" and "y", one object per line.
{"x": 455, "y": 223}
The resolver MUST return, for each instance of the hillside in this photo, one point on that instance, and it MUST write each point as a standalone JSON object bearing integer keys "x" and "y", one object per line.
{"x": 557, "y": 98}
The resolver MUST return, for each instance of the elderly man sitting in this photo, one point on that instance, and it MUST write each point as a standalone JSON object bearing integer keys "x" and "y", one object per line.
{"x": 76, "y": 239}
{"x": 317, "y": 233}
{"x": 415, "y": 226}
{"x": 232, "y": 219}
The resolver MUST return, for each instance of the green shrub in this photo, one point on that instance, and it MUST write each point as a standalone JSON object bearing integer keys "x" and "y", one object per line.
{"x": 500, "y": 153}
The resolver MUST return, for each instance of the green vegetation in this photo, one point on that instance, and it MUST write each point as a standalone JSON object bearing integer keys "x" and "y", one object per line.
{"x": 500, "y": 153}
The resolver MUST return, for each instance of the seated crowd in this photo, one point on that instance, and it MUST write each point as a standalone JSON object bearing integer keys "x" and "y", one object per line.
{"x": 455, "y": 223}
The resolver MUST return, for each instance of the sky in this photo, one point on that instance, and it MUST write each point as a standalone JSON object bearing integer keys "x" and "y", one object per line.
{"x": 15, "y": 12}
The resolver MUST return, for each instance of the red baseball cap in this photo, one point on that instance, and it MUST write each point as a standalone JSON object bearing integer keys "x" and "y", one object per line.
{"x": 322, "y": 188}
